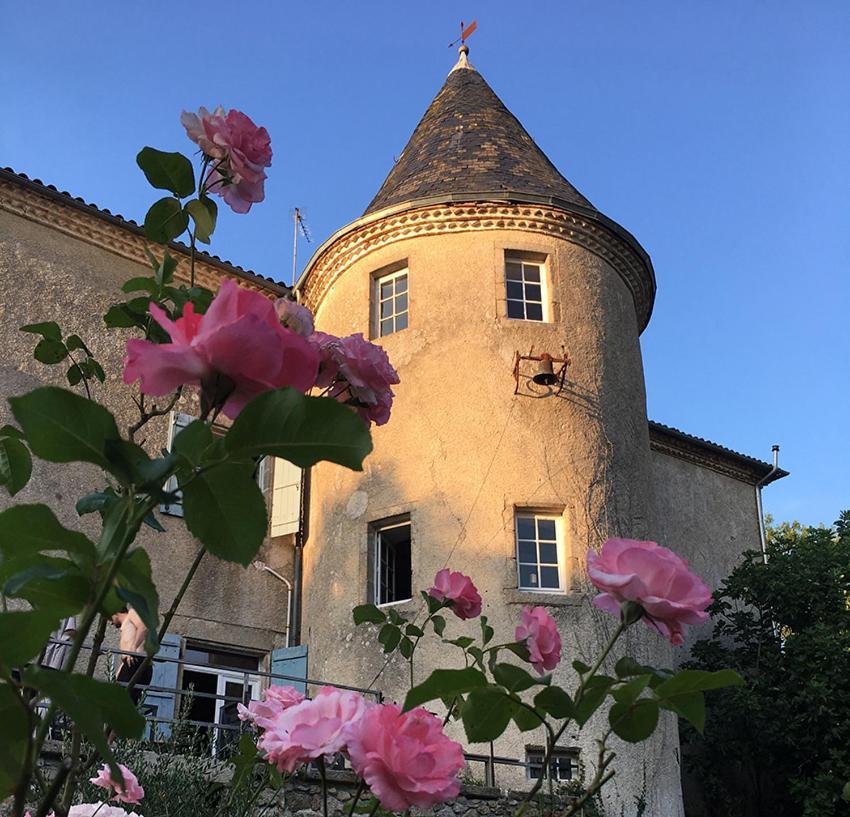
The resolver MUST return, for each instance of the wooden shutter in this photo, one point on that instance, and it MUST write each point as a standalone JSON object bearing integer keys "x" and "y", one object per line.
{"x": 179, "y": 421}
{"x": 285, "y": 498}
{"x": 291, "y": 662}
{"x": 162, "y": 704}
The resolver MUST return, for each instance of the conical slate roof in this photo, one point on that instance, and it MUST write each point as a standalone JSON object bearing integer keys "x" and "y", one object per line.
{"x": 469, "y": 142}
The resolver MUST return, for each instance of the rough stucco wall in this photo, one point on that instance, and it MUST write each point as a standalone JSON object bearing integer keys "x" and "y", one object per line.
{"x": 707, "y": 517}
{"x": 48, "y": 276}
{"x": 461, "y": 452}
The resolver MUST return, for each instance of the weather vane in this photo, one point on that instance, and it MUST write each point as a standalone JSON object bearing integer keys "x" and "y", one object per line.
{"x": 464, "y": 32}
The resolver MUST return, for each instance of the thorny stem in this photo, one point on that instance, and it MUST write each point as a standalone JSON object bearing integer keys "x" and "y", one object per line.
{"x": 85, "y": 380}
{"x": 361, "y": 786}
{"x": 621, "y": 627}
{"x": 77, "y": 735}
{"x": 145, "y": 416}
{"x": 323, "y": 775}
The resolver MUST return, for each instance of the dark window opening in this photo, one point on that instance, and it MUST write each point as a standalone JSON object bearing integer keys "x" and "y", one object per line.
{"x": 393, "y": 580}
{"x": 563, "y": 764}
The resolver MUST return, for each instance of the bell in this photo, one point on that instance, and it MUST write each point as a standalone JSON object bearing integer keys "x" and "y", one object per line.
{"x": 545, "y": 374}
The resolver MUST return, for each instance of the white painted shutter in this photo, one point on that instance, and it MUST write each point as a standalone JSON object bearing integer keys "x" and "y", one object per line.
{"x": 179, "y": 421}
{"x": 286, "y": 498}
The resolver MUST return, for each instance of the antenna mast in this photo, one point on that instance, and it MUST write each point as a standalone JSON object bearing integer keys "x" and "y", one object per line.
{"x": 298, "y": 224}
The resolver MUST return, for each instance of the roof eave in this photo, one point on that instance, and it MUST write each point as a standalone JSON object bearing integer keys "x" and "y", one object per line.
{"x": 512, "y": 197}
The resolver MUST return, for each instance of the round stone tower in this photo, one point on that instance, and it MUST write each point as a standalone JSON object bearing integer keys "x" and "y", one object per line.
{"x": 475, "y": 253}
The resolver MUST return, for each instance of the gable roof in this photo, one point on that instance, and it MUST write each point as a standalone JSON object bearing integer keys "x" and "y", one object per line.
{"x": 65, "y": 199}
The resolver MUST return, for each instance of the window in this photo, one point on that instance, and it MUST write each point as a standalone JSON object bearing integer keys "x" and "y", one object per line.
{"x": 563, "y": 764}
{"x": 218, "y": 679}
{"x": 179, "y": 421}
{"x": 392, "y": 566}
{"x": 539, "y": 552}
{"x": 391, "y": 303}
{"x": 524, "y": 289}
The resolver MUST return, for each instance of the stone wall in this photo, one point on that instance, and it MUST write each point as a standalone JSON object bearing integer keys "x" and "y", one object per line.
{"x": 47, "y": 274}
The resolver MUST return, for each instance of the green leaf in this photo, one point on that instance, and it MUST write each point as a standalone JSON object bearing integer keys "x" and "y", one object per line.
{"x": 23, "y": 634}
{"x": 634, "y": 722}
{"x": 487, "y": 632}
{"x": 395, "y": 618}
{"x": 413, "y": 630}
{"x": 463, "y": 641}
{"x": 526, "y": 719}
{"x": 191, "y": 443}
{"x": 845, "y": 792}
{"x": 15, "y": 464}
{"x": 516, "y": 679}
{"x": 368, "y": 613}
{"x": 556, "y": 702}
{"x": 57, "y": 592}
{"x": 445, "y": 683}
{"x": 167, "y": 171}
{"x": 135, "y": 586}
{"x": 74, "y": 374}
{"x": 94, "y": 502}
{"x": 406, "y": 647}
{"x": 627, "y": 667}
{"x": 61, "y": 426}
{"x": 141, "y": 284}
{"x": 49, "y": 351}
{"x": 690, "y": 706}
{"x": 304, "y": 430}
{"x": 165, "y": 220}
{"x": 580, "y": 667}
{"x": 520, "y": 650}
{"x": 694, "y": 680}
{"x": 244, "y": 760}
{"x": 97, "y": 370}
{"x": 120, "y": 316}
{"x": 74, "y": 342}
{"x": 48, "y": 329}
{"x": 439, "y": 624}
{"x": 630, "y": 692}
{"x": 11, "y": 431}
{"x": 595, "y": 692}
{"x": 486, "y": 714}
{"x": 91, "y": 705}
{"x": 226, "y": 510}
{"x": 389, "y": 636}
{"x": 204, "y": 218}
{"x": 15, "y": 735}
{"x": 33, "y": 529}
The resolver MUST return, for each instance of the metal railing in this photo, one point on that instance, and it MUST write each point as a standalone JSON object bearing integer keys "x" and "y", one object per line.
{"x": 159, "y": 726}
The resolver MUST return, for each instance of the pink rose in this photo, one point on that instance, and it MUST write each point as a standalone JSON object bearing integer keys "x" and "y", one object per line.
{"x": 311, "y": 729}
{"x": 540, "y": 634}
{"x": 235, "y": 351}
{"x": 239, "y": 150}
{"x": 655, "y": 578}
{"x": 405, "y": 757}
{"x": 128, "y": 791}
{"x": 97, "y": 810}
{"x": 459, "y": 589}
{"x": 357, "y": 372}
{"x": 294, "y": 316}
{"x": 275, "y": 700}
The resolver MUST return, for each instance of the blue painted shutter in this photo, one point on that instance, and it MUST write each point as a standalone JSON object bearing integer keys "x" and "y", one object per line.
{"x": 179, "y": 421}
{"x": 163, "y": 704}
{"x": 292, "y": 662}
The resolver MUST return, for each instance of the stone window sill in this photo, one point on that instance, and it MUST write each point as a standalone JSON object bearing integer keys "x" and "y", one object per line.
{"x": 514, "y": 596}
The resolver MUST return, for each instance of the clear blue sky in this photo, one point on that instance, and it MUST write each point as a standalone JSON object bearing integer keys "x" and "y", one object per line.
{"x": 718, "y": 133}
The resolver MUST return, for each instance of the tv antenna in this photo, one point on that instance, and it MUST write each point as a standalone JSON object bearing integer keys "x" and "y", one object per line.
{"x": 298, "y": 226}
{"x": 464, "y": 33}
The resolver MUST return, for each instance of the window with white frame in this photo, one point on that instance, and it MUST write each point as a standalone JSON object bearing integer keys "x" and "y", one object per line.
{"x": 525, "y": 289}
{"x": 563, "y": 763}
{"x": 216, "y": 679}
{"x": 285, "y": 511}
{"x": 179, "y": 421}
{"x": 391, "y": 303}
{"x": 391, "y": 558}
{"x": 539, "y": 552}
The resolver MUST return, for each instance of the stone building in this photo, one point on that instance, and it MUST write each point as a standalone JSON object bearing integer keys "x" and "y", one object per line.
{"x": 475, "y": 257}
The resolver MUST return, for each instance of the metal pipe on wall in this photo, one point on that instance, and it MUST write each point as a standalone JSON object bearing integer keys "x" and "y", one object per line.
{"x": 759, "y": 508}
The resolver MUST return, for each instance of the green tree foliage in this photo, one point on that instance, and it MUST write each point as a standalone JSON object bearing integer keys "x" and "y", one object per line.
{"x": 780, "y": 745}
